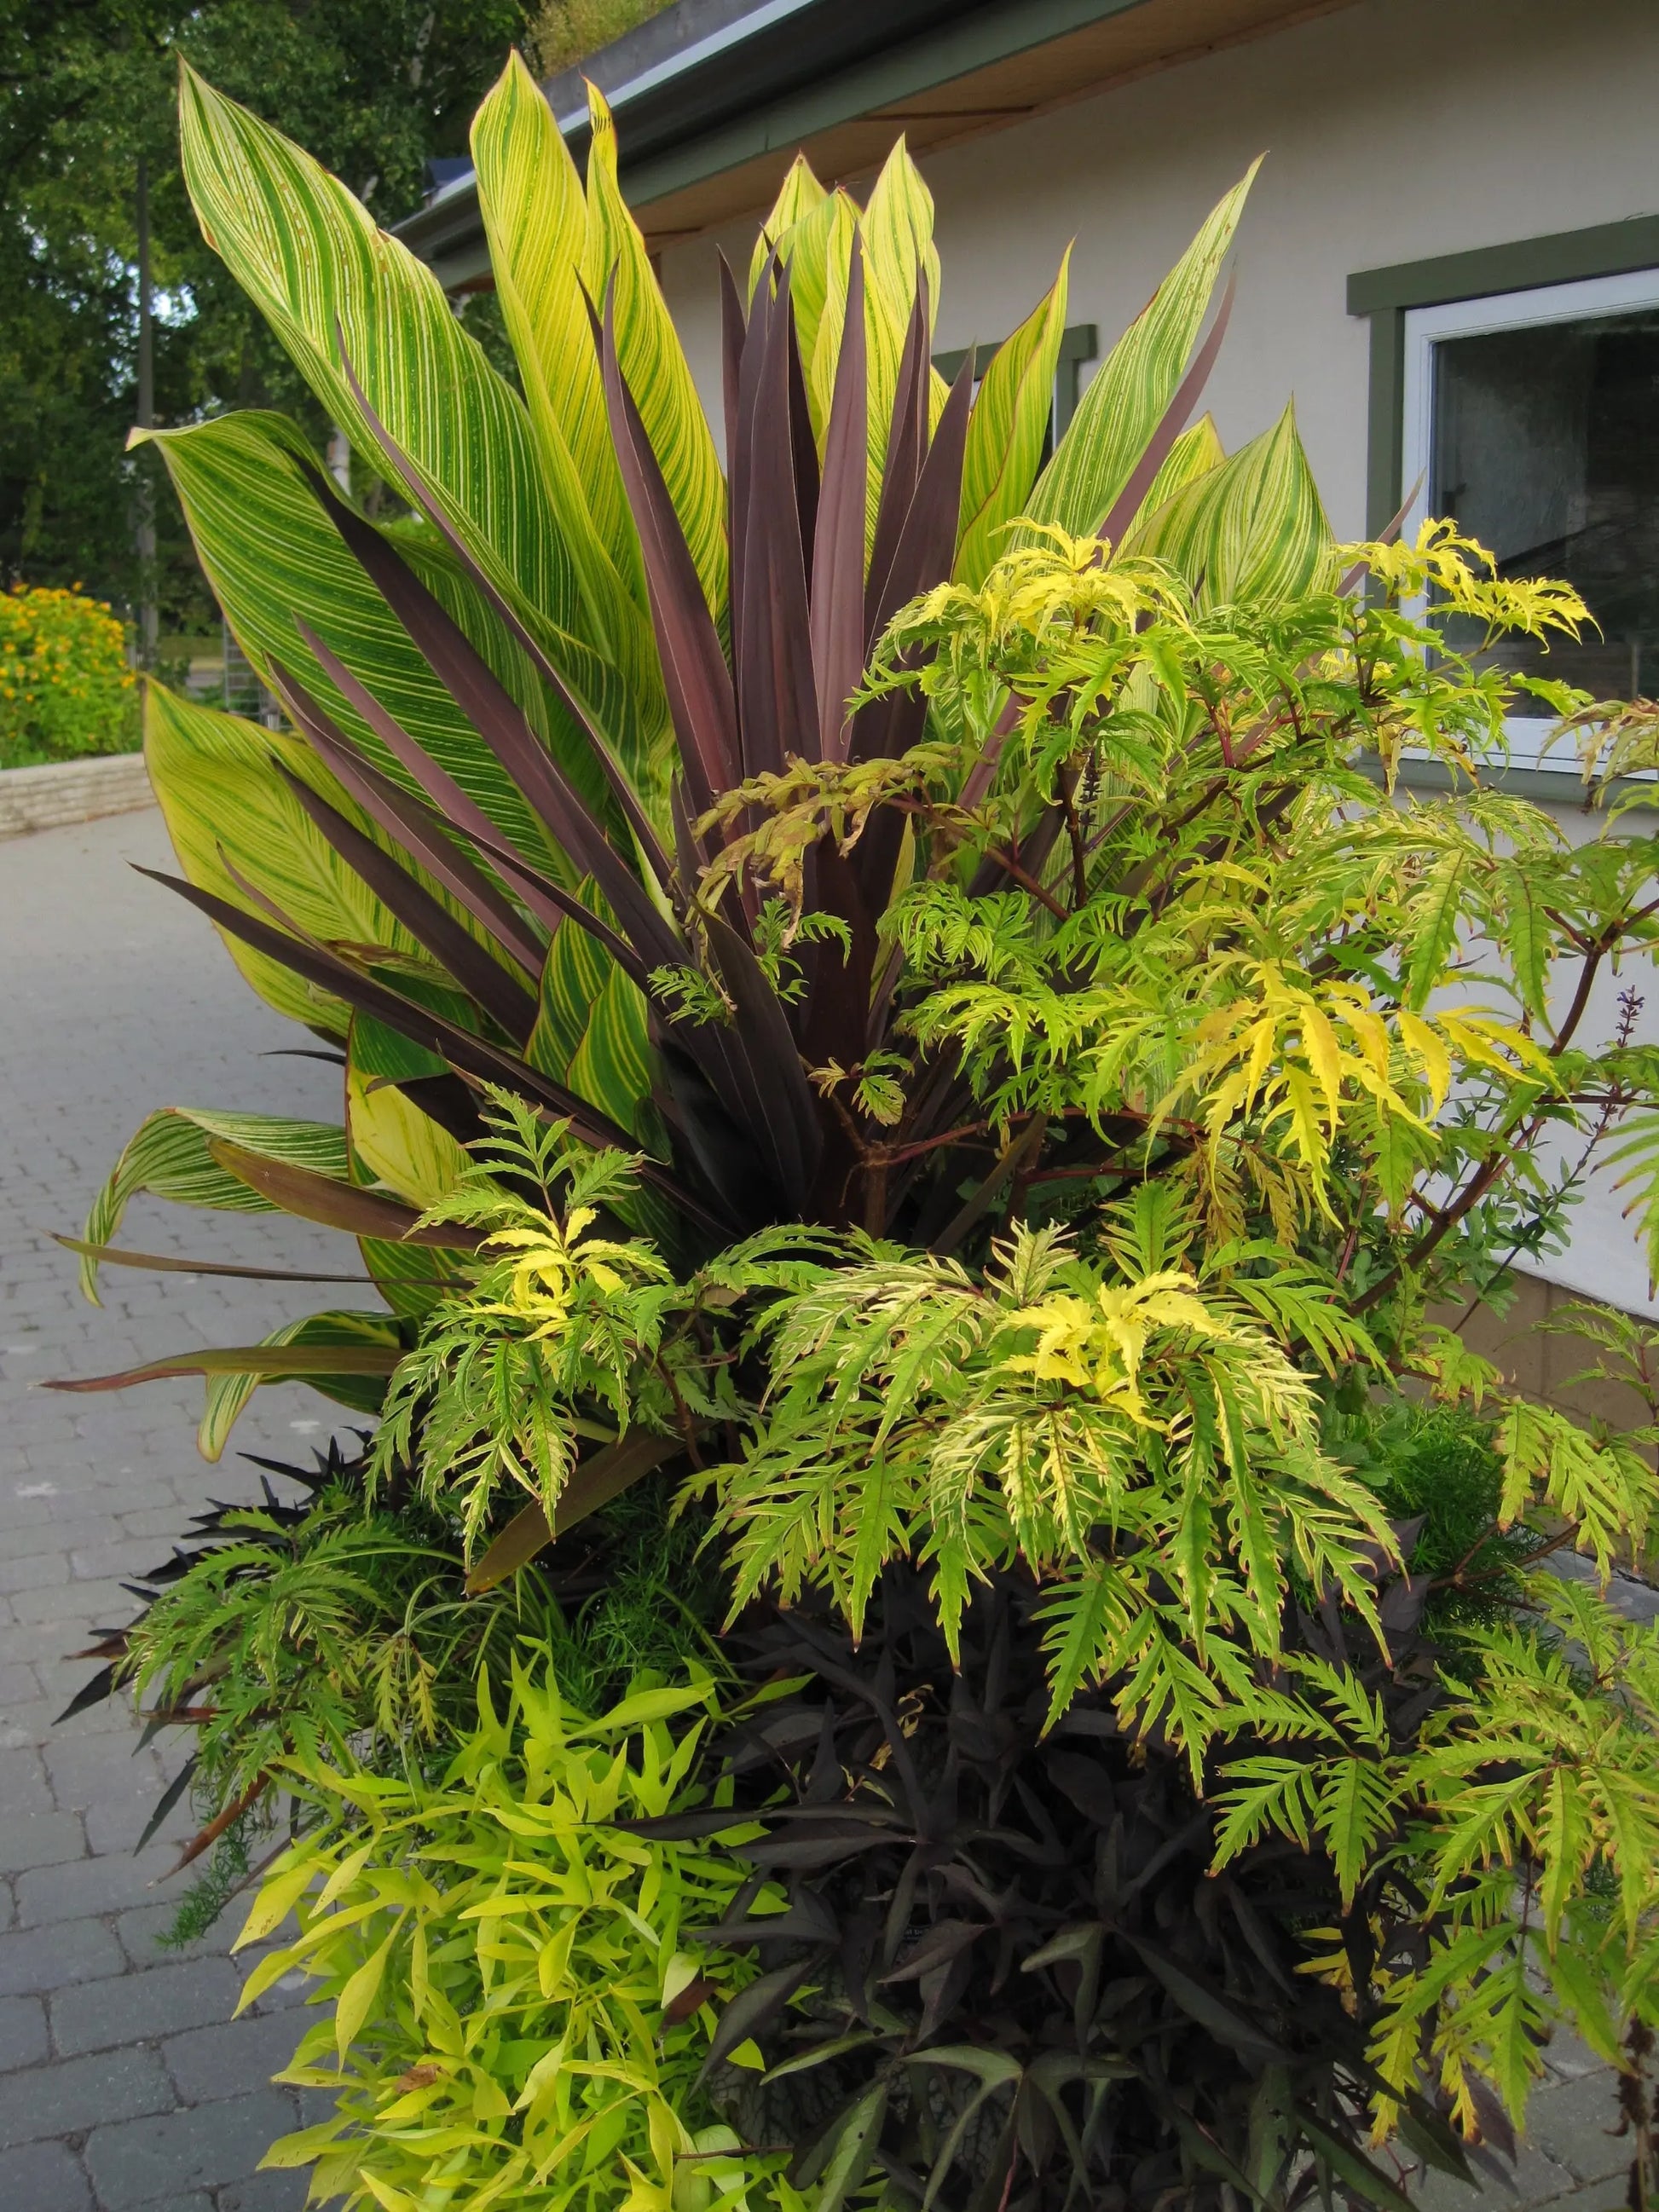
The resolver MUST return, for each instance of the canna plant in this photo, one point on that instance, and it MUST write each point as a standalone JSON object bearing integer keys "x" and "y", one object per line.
{"x": 897, "y": 989}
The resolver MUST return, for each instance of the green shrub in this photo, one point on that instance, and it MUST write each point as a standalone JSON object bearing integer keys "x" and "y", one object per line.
{"x": 516, "y": 2015}
{"x": 65, "y": 688}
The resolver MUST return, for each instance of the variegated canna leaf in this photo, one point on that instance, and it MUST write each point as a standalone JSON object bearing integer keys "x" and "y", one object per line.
{"x": 274, "y": 561}
{"x": 228, "y": 1394}
{"x": 1253, "y": 528}
{"x": 228, "y": 808}
{"x": 1012, "y": 413}
{"x": 336, "y": 288}
{"x": 616, "y": 263}
{"x": 168, "y": 1155}
{"x": 536, "y": 219}
{"x": 1125, "y": 400}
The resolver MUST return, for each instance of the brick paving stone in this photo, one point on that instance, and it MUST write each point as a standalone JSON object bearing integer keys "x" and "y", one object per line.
{"x": 244, "y": 2054}
{"x": 72, "y": 2094}
{"x": 266, "y": 2192}
{"x": 43, "y": 2177}
{"x": 152, "y": 2161}
{"x": 22, "y": 2032}
{"x": 40, "y": 1839}
{"x": 49, "y": 1958}
{"x": 135, "y": 2007}
{"x": 128, "y": 1002}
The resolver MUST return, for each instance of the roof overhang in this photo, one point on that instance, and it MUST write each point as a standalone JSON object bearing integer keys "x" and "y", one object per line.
{"x": 713, "y": 99}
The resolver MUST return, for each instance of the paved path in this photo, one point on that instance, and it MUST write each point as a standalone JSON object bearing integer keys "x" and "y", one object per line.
{"x": 124, "y": 2085}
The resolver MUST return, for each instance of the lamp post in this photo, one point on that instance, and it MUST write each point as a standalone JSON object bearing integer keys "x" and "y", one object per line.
{"x": 149, "y": 619}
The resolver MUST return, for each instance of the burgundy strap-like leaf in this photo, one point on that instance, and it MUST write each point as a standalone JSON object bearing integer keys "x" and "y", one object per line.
{"x": 428, "y": 920}
{"x": 1173, "y": 420}
{"x": 694, "y": 673}
{"x": 838, "y": 607}
{"x": 577, "y": 709}
{"x": 549, "y": 902}
{"x": 803, "y": 446}
{"x": 734, "y": 327}
{"x": 472, "y": 1054}
{"x": 501, "y": 723}
{"x": 777, "y": 703}
{"x": 413, "y": 825}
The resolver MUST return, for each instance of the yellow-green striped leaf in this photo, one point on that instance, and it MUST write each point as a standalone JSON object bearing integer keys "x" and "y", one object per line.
{"x": 1012, "y": 413}
{"x": 799, "y": 195}
{"x": 307, "y": 253}
{"x": 591, "y": 1032}
{"x": 167, "y": 1156}
{"x": 652, "y": 359}
{"x": 397, "y": 1145}
{"x": 273, "y": 558}
{"x": 1251, "y": 529}
{"x": 228, "y": 1394}
{"x": 536, "y": 219}
{"x": 898, "y": 229}
{"x": 1125, "y": 400}
{"x": 226, "y": 807}
{"x": 1193, "y": 454}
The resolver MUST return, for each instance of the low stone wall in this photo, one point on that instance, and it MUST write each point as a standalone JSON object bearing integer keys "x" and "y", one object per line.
{"x": 72, "y": 791}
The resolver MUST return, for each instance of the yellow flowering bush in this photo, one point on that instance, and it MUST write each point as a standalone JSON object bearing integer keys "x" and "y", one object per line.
{"x": 65, "y": 687}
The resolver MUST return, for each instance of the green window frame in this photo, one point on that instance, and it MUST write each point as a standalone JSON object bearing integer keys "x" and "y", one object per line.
{"x": 1079, "y": 342}
{"x": 1385, "y": 296}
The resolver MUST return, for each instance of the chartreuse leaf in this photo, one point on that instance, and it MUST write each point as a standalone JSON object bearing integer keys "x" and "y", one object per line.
{"x": 1012, "y": 411}
{"x": 898, "y": 230}
{"x": 1250, "y": 530}
{"x": 326, "y": 279}
{"x": 536, "y": 218}
{"x": 799, "y": 198}
{"x": 169, "y": 1156}
{"x": 652, "y": 359}
{"x": 228, "y": 1394}
{"x": 1126, "y": 397}
{"x": 227, "y": 807}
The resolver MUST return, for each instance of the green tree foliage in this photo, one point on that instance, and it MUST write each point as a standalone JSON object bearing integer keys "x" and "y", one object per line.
{"x": 91, "y": 90}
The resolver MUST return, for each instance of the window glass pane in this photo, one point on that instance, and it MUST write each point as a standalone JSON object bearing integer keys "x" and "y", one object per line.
{"x": 1547, "y": 449}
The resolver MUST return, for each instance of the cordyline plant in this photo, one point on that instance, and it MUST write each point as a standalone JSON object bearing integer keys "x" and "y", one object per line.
{"x": 897, "y": 989}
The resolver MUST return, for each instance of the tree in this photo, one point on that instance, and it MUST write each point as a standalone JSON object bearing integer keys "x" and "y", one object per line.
{"x": 89, "y": 91}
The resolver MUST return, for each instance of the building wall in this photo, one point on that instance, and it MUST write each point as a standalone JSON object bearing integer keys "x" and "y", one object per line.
{"x": 1394, "y": 130}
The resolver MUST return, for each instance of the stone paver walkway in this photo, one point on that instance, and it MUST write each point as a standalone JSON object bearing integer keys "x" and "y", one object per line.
{"x": 125, "y": 2085}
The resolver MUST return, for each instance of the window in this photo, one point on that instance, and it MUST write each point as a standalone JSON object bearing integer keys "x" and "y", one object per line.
{"x": 1533, "y": 417}
{"x": 1077, "y": 344}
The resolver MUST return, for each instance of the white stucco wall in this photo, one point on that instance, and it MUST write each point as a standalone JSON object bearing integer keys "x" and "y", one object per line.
{"x": 1394, "y": 130}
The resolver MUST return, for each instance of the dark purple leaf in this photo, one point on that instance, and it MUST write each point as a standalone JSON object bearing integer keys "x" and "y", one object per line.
{"x": 837, "y": 610}
{"x": 777, "y": 704}
{"x": 501, "y": 723}
{"x": 574, "y": 707}
{"x": 694, "y": 673}
{"x": 412, "y": 823}
{"x": 907, "y": 443}
{"x": 432, "y": 926}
